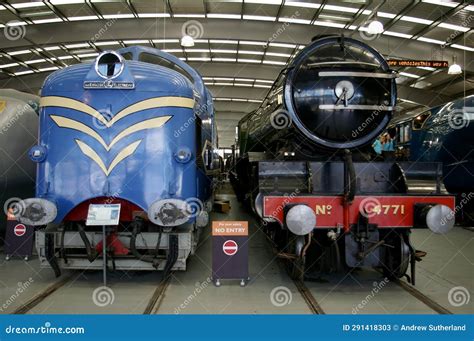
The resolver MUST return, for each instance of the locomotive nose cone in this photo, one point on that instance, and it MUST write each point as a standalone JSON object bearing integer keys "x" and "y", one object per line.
{"x": 440, "y": 219}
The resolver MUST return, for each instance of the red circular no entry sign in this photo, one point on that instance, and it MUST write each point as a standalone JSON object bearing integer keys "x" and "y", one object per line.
{"x": 230, "y": 247}
{"x": 19, "y": 230}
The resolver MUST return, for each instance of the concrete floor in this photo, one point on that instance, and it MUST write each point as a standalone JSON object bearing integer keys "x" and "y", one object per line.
{"x": 449, "y": 264}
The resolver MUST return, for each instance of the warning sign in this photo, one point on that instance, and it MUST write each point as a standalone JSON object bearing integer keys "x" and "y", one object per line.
{"x": 230, "y": 228}
{"x": 230, "y": 250}
{"x": 19, "y": 230}
{"x": 230, "y": 247}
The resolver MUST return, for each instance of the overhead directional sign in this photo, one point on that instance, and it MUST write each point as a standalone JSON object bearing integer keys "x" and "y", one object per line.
{"x": 418, "y": 63}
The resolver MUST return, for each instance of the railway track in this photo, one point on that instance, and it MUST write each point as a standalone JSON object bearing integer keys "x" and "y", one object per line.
{"x": 158, "y": 295}
{"x": 422, "y": 297}
{"x": 40, "y": 297}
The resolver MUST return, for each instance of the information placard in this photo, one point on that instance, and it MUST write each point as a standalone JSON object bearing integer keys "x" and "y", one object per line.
{"x": 105, "y": 214}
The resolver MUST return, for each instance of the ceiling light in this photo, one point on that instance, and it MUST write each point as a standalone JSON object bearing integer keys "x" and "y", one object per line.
{"x": 81, "y": 18}
{"x": 241, "y": 60}
{"x": 218, "y": 41}
{"x": 15, "y": 53}
{"x": 441, "y": 3}
{"x": 375, "y": 26}
{"x": 189, "y": 15}
{"x": 302, "y": 4}
{"x": 454, "y": 69}
{"x": 454, "y": 27}
{"x": 47, "y": 21}
{"x": 165, "y": 41}
{"x": 462, "y": 47}
{"x": 136, "y": 41}
{"x": 66, "y": 2}
{"x": 153, "y": 15}
{"x": 290, "y": 46}
{"x": 295, "y": 21}
{"x": 273, "y": 62}
{"x": 328, "y": 24}
{"x": 8, "y": 65}
{"x": 397, "y": 34}
{"x": 416, "y": 20}
{"x": 223, "y": 16}
{"x": 187, "y": 41}
{"x": 429, "y": 40}
{"x": 249, "y": 42}
{"x": 48, "y": 68}
{"x": 119, "y": 16}
{"x": 28, "y": 4}
{"x": 259, "y": 17}
{"x": 386, "y": 15}
{"x": 199, "y": 59}
{"x": 23, "y": 72}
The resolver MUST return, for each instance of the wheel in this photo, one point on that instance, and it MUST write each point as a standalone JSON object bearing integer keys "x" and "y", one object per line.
{"x": 397, "y": 258}
{"x": 243, "y": 283}
{"x": 217, "y": 283}
{"x": 26, "y": 258}
{"x": 7, "y": 258}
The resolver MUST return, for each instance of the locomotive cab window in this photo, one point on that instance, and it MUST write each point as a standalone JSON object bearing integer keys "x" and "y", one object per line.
{"x": 420, "y": 120}
{"x": 157, "y": 60}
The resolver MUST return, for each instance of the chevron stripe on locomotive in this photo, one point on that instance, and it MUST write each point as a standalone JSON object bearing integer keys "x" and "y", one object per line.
{"x": 136, "y": 128}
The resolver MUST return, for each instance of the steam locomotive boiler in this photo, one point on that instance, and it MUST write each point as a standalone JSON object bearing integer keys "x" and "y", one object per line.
{"x": 303, "y": 166}
{"x": 127, "y": 141}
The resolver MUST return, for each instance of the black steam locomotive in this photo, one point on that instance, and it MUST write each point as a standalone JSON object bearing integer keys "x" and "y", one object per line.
{"x": 303, "y": 166}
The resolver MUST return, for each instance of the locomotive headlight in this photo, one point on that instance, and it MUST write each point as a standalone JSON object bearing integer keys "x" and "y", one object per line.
{"x": 440, "y": 219}
{"x": 300, "y": 220}
{"x": 36, "y": 211}
{"x": 183, "y": 155}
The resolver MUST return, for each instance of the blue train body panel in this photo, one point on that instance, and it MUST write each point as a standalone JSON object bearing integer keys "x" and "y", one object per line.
{"x": 120, "y": 137}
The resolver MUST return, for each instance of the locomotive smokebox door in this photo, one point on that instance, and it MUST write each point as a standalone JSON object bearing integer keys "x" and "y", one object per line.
{"x": 230, "y": 251}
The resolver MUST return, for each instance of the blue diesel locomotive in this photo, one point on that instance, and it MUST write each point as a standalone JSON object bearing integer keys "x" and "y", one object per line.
{"x": 443, "y": 134}
{"x": 134, "y": 135}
